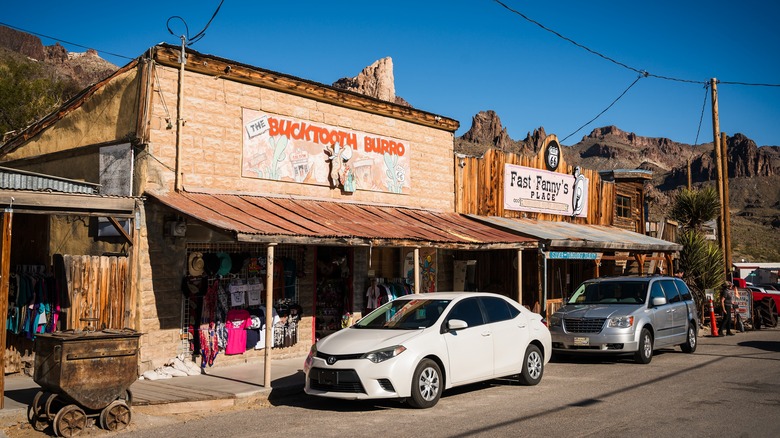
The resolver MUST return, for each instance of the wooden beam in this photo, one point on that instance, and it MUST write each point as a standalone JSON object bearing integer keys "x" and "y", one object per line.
{"x": 121, "y": 230}
{"x": 5, "y": 274}
{"x": 58, "y": 203}
{"x": 233, "y": 71}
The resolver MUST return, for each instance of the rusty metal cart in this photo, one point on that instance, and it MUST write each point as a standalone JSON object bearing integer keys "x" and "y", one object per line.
{"x": 84, "y": 374}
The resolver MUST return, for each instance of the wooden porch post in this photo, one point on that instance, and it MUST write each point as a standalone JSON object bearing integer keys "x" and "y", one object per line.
{"x": 417, "y": 270}
{"x": 520, "y": 276}
{"x": 5, "y": 271}
{"x": 269, "y": 314}
{"x": 640, "y": 260}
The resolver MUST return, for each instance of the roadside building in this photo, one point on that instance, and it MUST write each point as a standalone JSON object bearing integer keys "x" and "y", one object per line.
{"x": 588, "y": 223}
{"x": 252, "y": 187}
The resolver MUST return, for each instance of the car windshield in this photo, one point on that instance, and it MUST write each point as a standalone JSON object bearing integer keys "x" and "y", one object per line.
{"x": 404, "y": 314}
{"x": 627, "y": 292}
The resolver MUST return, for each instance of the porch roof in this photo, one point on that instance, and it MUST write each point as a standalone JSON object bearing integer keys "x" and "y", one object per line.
{"x": 567, "y": 235}
{"x": 268, "y": 219}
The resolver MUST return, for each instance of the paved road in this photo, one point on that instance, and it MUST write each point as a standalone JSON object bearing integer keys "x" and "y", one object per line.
{"x": 730, "y": 387}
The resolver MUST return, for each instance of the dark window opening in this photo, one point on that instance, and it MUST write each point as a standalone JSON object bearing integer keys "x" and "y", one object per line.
{"x": 623, "y": 206}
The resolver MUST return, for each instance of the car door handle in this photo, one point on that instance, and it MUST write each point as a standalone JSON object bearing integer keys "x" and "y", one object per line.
{"x": 485, "y": 333}
{"x": 520, "y": 325}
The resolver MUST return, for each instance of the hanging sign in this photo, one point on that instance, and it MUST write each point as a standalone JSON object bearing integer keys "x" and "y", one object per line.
{"x": 540, "y": 191}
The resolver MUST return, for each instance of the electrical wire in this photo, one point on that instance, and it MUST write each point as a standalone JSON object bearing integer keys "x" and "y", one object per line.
{"x": 198, "y": 36}
{"x": 614, "y": 61}
{"x": 701, "y": 118}
{"x": 63, "y": 41}
{"x": 643, "y": 75}
{"x": 162, "y": 97}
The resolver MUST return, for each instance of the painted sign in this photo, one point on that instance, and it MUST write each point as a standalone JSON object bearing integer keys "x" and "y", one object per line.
{"x": 570, "y": 255}
{"x": 540, "y": 191}
{"x": 552, "y": 156}
{"x": 286, "y": 149}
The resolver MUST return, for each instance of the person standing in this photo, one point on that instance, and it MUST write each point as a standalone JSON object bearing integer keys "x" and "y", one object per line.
{"x": 726, "y": 303}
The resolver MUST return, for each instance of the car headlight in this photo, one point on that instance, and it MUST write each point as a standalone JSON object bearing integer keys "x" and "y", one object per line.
{"x": 554, "y": 321}
{"x": 621, "y": 321}
{"x": 384, "y": 354}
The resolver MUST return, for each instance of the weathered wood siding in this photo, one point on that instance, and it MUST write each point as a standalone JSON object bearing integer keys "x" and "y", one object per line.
{"x": 480, "y": 187}
{"x": 98, "y": 287}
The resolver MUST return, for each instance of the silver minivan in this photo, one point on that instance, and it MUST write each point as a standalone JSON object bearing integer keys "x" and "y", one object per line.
{"x": 622, "y": 315}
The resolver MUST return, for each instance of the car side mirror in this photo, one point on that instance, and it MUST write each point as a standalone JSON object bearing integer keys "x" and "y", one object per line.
{"x": 659, "y": 301}
{"x": 456, "y": 324}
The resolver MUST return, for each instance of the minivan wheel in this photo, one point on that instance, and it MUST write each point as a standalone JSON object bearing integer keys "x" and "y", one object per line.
{"x": 533, "y": 366}
{"x": 645, "y": 352}
{"x": 426, "y": 385}
{"x": 690, "y": 342}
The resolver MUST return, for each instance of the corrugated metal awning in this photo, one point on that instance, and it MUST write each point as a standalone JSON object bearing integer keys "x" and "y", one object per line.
{"x": 566, "y": 235}
{"x": 305, "y": 221}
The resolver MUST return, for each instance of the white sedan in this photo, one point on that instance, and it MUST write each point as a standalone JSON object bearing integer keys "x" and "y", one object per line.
{"x": 417, "y": 346}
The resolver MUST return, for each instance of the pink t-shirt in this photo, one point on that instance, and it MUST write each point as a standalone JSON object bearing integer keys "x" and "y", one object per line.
{"x": 237, "y": 321}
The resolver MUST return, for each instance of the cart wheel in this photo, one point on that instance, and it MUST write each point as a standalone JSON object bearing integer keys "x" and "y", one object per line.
{"x": 127, "y": 397}
{"x": 69, "y": 421}
{"x": 115, "y": 416}
{"x": 47, "y": 407}
{"x": 35, "y": 413}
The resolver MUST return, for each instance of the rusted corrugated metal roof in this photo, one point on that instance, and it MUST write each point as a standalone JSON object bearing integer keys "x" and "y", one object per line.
{"x": 566, "y": 235}
{"x": 292, "y": 220}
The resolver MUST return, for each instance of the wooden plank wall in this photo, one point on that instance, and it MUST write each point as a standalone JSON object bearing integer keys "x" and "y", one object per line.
{"x": 480, "y": 182}
{"x": 98, "y": 288}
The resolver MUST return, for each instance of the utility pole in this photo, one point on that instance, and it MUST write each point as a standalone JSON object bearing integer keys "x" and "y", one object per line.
{"x": 726, "y": 206}
{"x": 719, "y": 166}
{"x": 690, "y": 185}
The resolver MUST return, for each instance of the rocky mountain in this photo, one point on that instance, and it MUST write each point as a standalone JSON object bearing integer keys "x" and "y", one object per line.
{"x": 754, "y": 173}
{"x": 376, "y": 80}
{"x": 82, "y": 68}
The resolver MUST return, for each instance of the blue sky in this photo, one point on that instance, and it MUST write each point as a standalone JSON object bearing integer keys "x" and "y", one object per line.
{"x": 458, "y": 57}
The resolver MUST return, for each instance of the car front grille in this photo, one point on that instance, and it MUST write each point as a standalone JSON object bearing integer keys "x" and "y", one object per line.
{"x": 335, "y": 380}
{"x": 583, "y": 325}
{"x": 333, "y": 358}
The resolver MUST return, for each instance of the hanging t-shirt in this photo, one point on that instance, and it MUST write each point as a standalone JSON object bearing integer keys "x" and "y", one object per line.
{"x": 237, "y": 321}
{"x": 255, "y": 292}
{"x": 372, "y": 297}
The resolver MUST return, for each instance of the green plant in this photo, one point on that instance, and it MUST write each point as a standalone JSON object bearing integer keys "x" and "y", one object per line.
{"x": 28, "y": 93}
{"x": 701, "y": 260}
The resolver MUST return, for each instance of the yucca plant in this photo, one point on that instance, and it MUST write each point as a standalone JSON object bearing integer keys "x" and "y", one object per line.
{"x": 700, "y": 259}
{"x": 692, "y": 208}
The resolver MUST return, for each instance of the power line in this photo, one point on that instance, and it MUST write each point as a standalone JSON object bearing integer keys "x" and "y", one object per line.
{"x": 621, "y": 64}
{"x": 198, "y": 36}
{"x": 63, "y": 41}
{"x": 703, "y": 106}
{"x": 608, "y": 107}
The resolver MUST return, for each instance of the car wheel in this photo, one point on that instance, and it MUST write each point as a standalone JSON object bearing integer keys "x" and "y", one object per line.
{"x": 645, "y": 352}
{"x": 533, "y": 366}
{"x": 426, "y": 385}
{"x": 690, "y": 342}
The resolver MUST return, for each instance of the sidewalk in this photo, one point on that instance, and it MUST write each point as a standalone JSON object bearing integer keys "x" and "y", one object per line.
{"x": 220, "y": 387}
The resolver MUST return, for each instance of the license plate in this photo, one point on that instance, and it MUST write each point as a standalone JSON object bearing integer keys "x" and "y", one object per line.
{"x": 581, "y": 341}
{"x": 328, "y": 378}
